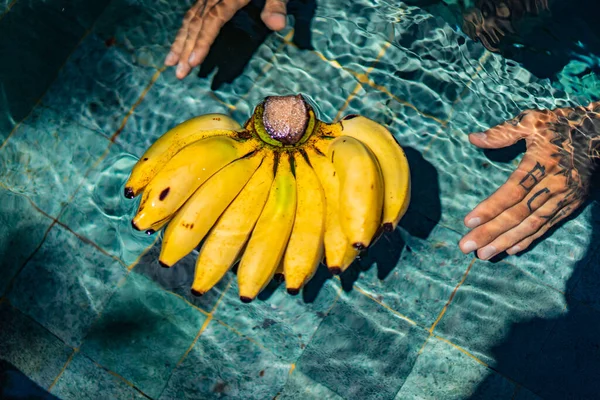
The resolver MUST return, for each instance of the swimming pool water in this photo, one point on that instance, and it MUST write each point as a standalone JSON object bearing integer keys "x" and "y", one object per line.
{"x": 87, "y": 312}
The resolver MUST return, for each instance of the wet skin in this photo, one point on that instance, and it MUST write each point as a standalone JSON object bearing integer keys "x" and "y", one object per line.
{"x": 563, "y": 145}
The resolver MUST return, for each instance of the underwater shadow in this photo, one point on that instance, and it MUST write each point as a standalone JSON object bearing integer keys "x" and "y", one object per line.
{"x": 241, "y": 37}
{"x": 387, "y": 250}
{"x": 565, "y": 362}
{"x": 14, "y": 384}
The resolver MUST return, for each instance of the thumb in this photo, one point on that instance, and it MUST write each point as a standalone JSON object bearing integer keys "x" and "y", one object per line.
{"x": 274, "y": 14}
{"x": 505, "y": 134}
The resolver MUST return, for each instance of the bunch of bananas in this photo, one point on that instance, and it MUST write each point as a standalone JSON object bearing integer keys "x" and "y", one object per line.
{"x": 278, "y": 195}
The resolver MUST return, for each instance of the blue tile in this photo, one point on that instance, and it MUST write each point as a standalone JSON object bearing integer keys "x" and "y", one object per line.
{"x": 179, "y": 101}
{"x": 413, "y": 271}
{"x": 223, "y": 364}
{"x": 525, "y": 394}
{"x": 98, "y": 86}
{"x": 293, "y": 72}
{"x": 299, "y": 386}
{"x": 66, "y": 285}
{"x": 47, "y": 158}
{"x": 277, "y": 320}
{"x": 85, "y": 379}
{"x": 494, "y": 298}
{"x": 145, "y": 29}
{"x": 179, "y": 278}
{"x": 101, "y": 213}
{"x": 444, "y": 372}
{"x": 31, "y": 348}
{"x": 46, "y": 37}
{"x": 143, "y": 333}
{"x": 362, "y": 350}
{"x": 23, "y": 229}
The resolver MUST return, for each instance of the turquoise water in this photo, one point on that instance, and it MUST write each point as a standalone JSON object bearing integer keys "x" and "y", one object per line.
{"x": 87, "y": 312}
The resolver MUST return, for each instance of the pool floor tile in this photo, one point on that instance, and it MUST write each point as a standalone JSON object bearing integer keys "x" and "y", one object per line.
{"x": 362, "y": 350}
{"x": 444, "y": 372}
{"x": 223, "y": 364}
{"x": 179, "y": 101}
{"x": 278, "y": 321}
{"x": 29, "y": 347}
{"x": 101, "y": 213}
{"x": 47, "y": 157}
{"x": 84, "y": 379}
{"x": 143, "y": 333}
{"x": 46, "y": 36}
{"x": 98, "y": 86}
{"x": 23, "y": 229}
{"x": 490, "y": 304}
{"x": 299, "y": 386}
{"x": 179, "y": 278}
{"x": 412, "y": 271}
{"x": 65, "y": 285}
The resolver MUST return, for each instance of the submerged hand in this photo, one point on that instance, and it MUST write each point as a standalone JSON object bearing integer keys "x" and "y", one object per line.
{"x": 202, "y": 24}
{"x": 552, "y": 180}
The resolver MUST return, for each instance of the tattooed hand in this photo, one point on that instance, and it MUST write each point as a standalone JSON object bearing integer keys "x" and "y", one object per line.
{"x": 202, "y": 24}
{"x": 552, "y": 180}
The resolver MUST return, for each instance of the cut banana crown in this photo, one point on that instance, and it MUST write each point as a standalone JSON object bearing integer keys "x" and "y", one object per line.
{"x": 280, "y": 195}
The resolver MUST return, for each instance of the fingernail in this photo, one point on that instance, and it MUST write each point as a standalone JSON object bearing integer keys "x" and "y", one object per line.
{"x": 181, "y": 70}
{"x": 480, "y": 136}
{"x": 469, "y": 246}
{"x": 473, "y": 222}
{"x": 487, "y": 252}
{"x": 192, "y": 57}
{"x": 513, "y": 250}
{"x": 171, "y": 58}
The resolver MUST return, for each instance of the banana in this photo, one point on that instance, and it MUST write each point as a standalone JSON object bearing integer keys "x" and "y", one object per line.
{"x": 361, "y": 189}
{"x": 171, "y": 142}
{"x": 193, "y": 221}
{"x": 225, "y": 242}
{"x": 391, "y": 159}
{"x": 183, "y": 174}
{"x": 271, "y": 233}
{"x": 305, "y": 248}
{"x": 337, "y": 245}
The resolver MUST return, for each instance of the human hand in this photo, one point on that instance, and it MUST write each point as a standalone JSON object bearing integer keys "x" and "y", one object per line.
{"x": 202, "y": 24}
{"x": 552, "y": 180}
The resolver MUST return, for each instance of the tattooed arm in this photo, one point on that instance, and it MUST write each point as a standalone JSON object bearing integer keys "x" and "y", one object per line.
{"x": 552, "y": 180}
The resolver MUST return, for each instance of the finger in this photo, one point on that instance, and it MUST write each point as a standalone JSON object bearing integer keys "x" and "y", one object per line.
{"x": 274, "y": 14}
{"x": 528, "y": 174}
{"x": 184, "y": 67}
{"x": 179, "y": 42}
{"x": 509, "y": 132}
{"x": 216, "y": 17}
{"x": 558, "y": 217}
{"x": 530, "y": 226}
{"x": 511, "y": 217}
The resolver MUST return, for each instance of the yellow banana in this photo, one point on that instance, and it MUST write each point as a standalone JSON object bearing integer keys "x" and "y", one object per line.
{"x": 305, "y": 248}
{"x": 225, "y": 242}
{"x": 193, "y": 221}
{"x": 161, "y": 151}
{"x": 391, "y": 159}
{"x": 271, "y": 234}
{"x": 361, "y": 189}
{"x": 183, "y": 174}
{"x": 337, "y": 245}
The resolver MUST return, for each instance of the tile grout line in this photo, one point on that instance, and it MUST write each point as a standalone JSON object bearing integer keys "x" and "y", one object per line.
{"x": 441, "y": 315}
{"x": 64, "y": 368}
